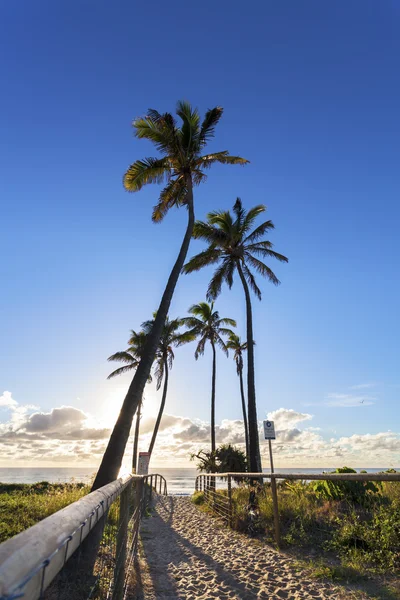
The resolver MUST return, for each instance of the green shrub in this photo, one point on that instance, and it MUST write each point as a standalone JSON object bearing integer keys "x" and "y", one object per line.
{"x": 198, "y": 498}
{"x": 354, "y": 491}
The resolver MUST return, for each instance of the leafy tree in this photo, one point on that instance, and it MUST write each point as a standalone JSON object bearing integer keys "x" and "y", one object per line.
{"x": 206, "y": 325}
{"x": 225, "y": 459}
{"x": 181, "y": 165}
{"x": 234, "y": 343}
{"x": 170, "y": 337}
{"x": 234, "y": 246}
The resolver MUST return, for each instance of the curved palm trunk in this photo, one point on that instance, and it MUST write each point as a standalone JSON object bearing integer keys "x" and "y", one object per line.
{"x": 246, "y": 425}
{"x": 112, "y": 458}
{"x": 254, "y": 445}
{"x": 136, "y": 440}
{"x": 214, "y": 368}
{"x": 160, "y": 412}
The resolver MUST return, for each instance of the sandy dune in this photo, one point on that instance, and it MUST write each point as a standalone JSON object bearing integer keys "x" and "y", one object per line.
{"x": 187, "y": 555}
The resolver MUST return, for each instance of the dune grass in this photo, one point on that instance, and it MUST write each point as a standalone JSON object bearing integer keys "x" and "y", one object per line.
{"x": 347, "y": 534}
{"x": 23, "y": 505}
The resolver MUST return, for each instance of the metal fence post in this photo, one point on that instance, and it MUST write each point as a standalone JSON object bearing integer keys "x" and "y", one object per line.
{"x": 276, "y": 509}
{"x": 151, "y": 487}
{"x": 230, "y": 501}
{"x": 122, "y": 537}
{"x": 138, "y": 507}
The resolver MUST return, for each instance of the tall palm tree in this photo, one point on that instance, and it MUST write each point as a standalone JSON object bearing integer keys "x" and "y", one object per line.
{"x": 206, "y": 324}
{"x": 181, "y": 166}
{"x": 170, "y": 337}
{"x": 234, "y": 343}
{"x": 235, "y": 246}
{"x": 131, "y": 357}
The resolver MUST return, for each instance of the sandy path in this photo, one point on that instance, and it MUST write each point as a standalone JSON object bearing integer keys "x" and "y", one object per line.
{"x": 189, "y": 556}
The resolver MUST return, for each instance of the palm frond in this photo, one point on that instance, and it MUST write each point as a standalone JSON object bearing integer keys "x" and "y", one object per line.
{"x": 258, "y": 232}
{"x": 200, "y": 347}
{"x": 251, "y": 280}
{"x": 206, "y": 231}
{"x": 154, "y": 128}
{"x": 224, "y": 158}
{"x": 121, "y": 370}
{"x": 125, "y": 357}
{"x": 174, "y": 194}
{"x": 190, "y": 129}
{"x": 265, "y": 251}
{"x": 222, "y": 219}
{"x": 216, "y": 281}
{"x": 251, "y": 216}
{"x": 220, "y": 342}
{"x": 227, "y": 321}
{"x": 262, "y": 268}
{"x": 208, "y": 257}
{"x": 211, "y": 119}
{"x": 143, "y": 172}
{"x": 159, "y": 372}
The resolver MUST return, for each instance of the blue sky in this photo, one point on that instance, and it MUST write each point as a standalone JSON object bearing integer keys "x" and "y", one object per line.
{"x": 311, "y": 95}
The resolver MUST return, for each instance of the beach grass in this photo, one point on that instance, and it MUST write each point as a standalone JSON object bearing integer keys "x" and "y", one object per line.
{"x": 353, "y": 538}
{"x": 23, "y": 505}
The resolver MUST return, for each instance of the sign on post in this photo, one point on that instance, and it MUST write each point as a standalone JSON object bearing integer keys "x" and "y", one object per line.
{"x": 269, "y": 430}
{"x": 143, "y": 463}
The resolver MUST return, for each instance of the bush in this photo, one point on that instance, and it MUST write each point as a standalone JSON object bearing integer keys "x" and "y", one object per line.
{"x": 358, "y": 492}
{"x": 198, "y": 498}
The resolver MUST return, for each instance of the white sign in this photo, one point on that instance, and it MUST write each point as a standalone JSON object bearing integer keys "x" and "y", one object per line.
{"x": 269, "y": 430}
{"x": 143, "y": 463}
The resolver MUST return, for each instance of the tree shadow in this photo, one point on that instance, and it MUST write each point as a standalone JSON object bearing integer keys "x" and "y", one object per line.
{"x": 188, "y": 550}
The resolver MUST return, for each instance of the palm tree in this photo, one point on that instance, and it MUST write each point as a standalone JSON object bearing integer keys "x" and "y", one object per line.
{"x": 206, "y": 324}
{"x": 170, "y": 337}
{"x": 131, "y": 357}
{"x": 181, "y": 166}
{"x": 234, "y": 246}
{"x": 234, "y": 343}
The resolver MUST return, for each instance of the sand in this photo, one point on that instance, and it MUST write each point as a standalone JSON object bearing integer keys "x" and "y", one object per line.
{"x": 186, "y": 554}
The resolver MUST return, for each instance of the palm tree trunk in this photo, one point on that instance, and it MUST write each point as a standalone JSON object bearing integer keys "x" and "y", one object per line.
{"x": 214, "y": 368}
{"x": 112, "y": 458}
{"x": 246, "y": 425}
{"x": 136, "y": 440}
{"x": 160, "y": 412}
{"x": 254, "y": 445}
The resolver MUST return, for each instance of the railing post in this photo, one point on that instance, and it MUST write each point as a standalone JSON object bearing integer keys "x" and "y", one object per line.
{"x": 160, "y": 484}
{"x": 138, "y": 507}
{"x": 229, "y": 500}
{"x": 151, "y": 487}
{"x": 276, "y": 509}
{"x": 122, "y": 538}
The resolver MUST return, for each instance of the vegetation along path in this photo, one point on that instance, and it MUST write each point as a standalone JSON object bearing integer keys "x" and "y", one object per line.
{"x": 186, "y": 554}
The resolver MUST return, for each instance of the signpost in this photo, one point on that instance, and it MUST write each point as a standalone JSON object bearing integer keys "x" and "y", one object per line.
{"x": 143, "y": 463}
{"x": 269, "y": 434}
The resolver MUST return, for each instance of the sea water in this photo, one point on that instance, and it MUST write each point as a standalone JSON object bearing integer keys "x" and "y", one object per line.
{"x": 179, "y": 481}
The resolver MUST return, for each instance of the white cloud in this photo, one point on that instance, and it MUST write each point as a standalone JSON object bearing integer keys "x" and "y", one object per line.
{"x": 66, "y": 435}
{"x": 6, "y": 400}
{"x": 285, "y": 418}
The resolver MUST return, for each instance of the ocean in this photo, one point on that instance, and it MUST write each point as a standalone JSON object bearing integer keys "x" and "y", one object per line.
{"x": 179, "y": 481}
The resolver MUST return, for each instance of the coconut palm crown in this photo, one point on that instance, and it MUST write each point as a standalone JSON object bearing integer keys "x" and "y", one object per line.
{"x": 182, "y": 163}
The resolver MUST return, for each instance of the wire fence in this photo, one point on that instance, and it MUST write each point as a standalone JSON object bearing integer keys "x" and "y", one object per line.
{"x": 85, "y": 551}
{"x": 217, "y": 489}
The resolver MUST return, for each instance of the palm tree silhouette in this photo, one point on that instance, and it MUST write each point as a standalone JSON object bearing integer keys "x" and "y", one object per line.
{"x": 206, "y": 325}
{"x": 234, "y": 343}
{"x": 181, "y": 167}
{"x": 233, "y": 246}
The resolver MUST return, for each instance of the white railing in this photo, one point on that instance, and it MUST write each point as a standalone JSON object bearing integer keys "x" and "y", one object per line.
{"x": 30, "y": 561}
